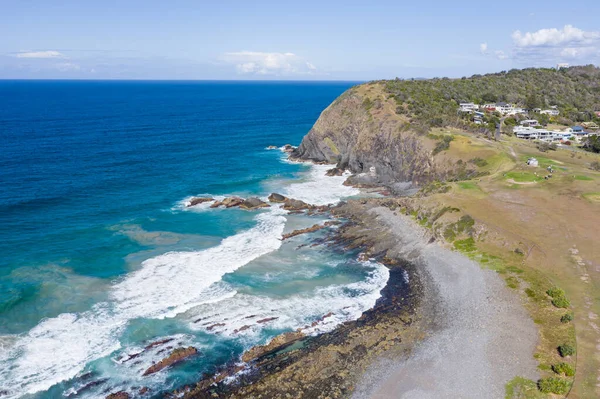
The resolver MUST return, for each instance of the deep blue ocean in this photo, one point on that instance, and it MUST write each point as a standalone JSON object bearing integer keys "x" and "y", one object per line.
{"x": 100, "y": 257}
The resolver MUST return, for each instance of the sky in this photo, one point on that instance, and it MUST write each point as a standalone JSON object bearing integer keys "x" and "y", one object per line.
{"x": 283, "y": 40}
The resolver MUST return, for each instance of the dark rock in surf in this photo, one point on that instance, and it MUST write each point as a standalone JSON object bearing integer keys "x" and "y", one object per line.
{"x": 178, "y": 355}
{"x": 277, "y": 198}
{"x": 253, "y": 203}
{"x": 199, "y": 200}
{"x": 118, "y": 395}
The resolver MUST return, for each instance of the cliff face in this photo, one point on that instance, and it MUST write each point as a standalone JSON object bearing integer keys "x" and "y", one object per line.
{"x": 361, "y": 131}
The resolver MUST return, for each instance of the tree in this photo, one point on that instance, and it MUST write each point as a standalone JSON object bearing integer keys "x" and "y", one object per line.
{"x": 532, "y": 101}
{"x": 592, "y": 144}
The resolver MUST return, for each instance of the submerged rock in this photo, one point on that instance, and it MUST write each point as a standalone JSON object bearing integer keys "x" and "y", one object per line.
{"x": 199, "y": 200}
{"x": 254, "y": 203}
{"x": 277, "y": 198}
{"x": 178, "y": 355}
{"x": 118, "y": 395}
{"x": 157, "y": 343}
{"x": 311, "y": 229}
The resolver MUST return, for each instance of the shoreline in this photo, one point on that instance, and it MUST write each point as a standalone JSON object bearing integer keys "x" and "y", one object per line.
{"x": 437, "y": 320}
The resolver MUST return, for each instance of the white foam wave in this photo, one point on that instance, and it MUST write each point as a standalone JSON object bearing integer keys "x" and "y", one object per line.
{"x": 183, "y": 205}
{"x": 239, "y": 315}
{"x": 319, "y": 189}
{"x": 57, "y": 349}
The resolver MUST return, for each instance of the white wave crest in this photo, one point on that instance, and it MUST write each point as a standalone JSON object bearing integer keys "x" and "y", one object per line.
{"x": 319, "y": 189}
{"x": 57, "y": 349}
{"x": 246, "y": 315}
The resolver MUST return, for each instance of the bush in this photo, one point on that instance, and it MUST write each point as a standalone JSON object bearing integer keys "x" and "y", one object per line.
{"x": 443, "y": 145}
{"x": 558, "y": 298}
{"x": 543, "y": 146}
{"x": 566, "y": 318}
{"x": 553, "y": 385}
{"x": 482, "y": 162}
{"x": 566, "y": 350}
{"x": 595, "y": 165}
{"x": 561, "y": 302}
{"x": 555, "y": 292}
{"x": 564, "y": 368}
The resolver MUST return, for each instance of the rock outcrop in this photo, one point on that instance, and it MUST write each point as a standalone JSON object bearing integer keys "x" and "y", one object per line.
{"x": 118, "y": 395}
{"x": 361, "y": 131}
{"x": 178, "y": 355}
{"x": 253, "y": 203}
{"x": 311, "y": 229}
{"x": 228, "y": 202}
{"x": 199, "y": 200}
{"x": 276, "y": 343}
{"x": 277, "y": 198}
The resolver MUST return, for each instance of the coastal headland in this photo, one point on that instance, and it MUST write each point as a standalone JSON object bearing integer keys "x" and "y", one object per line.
{"x": 492, "y": 281}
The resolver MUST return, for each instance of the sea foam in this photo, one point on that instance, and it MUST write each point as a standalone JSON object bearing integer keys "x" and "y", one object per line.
{"x": 57, "y": 349}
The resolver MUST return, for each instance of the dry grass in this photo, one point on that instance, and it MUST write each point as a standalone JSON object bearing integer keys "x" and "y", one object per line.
{"x": 554, "y": 224}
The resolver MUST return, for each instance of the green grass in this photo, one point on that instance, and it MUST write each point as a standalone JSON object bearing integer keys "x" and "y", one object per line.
{"x": 592, "y": 197}
{"x": 467, "y": 185}
{"x": 554, "y": 385}
{"x": 523, "y": 177}
{"x": 466, "y": 245}
{"x": 583, "y": 177}
{"x": 522, "y": 388}
{"x": 563, "y": 368}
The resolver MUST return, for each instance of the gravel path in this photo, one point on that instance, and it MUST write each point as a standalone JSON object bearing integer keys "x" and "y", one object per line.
{"x": 481, "y": 337}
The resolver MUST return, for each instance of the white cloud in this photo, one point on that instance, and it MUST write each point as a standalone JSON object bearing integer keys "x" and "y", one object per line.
{"x": 483, "y": 47}
{"x": 501, "y": 55}
{"x": 262, "y": 63}
{"x": 67, "y": 66}
{"x": 550, "y": 46}
{"x": 39, "y": 54}
{"x": 554, "y": 37}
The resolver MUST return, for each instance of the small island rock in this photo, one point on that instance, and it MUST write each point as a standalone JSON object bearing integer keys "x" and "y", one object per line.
{"x": 199, "y": 200}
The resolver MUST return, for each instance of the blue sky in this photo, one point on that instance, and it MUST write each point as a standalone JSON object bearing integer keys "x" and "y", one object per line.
{"x": 313, "y": 40}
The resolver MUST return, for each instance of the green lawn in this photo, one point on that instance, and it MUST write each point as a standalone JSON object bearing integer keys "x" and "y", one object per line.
{"x": 523, "y": 177}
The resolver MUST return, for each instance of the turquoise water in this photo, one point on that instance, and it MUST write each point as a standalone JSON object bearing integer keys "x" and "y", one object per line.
{"x": 101, "y": 257}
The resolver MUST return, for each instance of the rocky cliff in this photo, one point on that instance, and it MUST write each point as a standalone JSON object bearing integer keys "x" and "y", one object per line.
{"x": 362, "y": 132}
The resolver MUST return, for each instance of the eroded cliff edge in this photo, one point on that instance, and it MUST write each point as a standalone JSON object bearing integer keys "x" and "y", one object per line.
{"x": 362, "y": 131}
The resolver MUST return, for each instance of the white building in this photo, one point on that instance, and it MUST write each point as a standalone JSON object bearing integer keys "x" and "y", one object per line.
{"x": 504, "y": 108}
{"x": 551, "y": 112}
{"x": 530, "y": 123}
{"x": 468, "y": 107}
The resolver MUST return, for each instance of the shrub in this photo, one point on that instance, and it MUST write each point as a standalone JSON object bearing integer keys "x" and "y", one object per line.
{"x": 558, "y": 297}
{"x": 561, "y": 302}
{"x": 543, "y": 146}
{"x": 566, "y": 350}
{"x": 594, "y": 165}
{"x": 553, "y": 385}
{"x": 555, "y": 292}
{"x": 566, "y": 318}
{"x": 482, "y": 162}
{"x": 443, "y": 145}
{"x": 564, "y": 368}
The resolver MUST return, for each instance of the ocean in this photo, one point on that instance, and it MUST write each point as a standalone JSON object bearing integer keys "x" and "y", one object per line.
{"x": 104, "y": 270}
